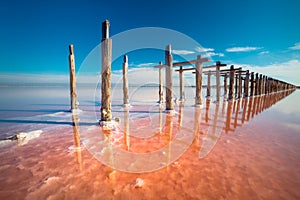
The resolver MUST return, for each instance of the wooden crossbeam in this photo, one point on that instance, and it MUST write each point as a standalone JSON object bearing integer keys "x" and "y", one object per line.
{"x": 186, "y": 69}
{"x": 184, "y": 63}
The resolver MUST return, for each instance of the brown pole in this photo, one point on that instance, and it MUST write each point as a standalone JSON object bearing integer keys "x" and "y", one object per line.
{"x": 208, "y": 84}
{"x": 218, "y": 79}
{"x": 231, "y": 82}
{"x": 256, "y": 84}
{"x": 125, "y": 81}
{"x": 198, "y": 81}
{"x": 73, "y": 92}
{"x": 252, "y": 84}
{"x": 240, "y": 84}
{"x": 181, "y": 83}
{"x": 169, "y": 81}
{"x": 246, "y": 84}
{"x": 160, "y": 87}
{"x": 225, "y": 84}
{"x": 106, "y": 49}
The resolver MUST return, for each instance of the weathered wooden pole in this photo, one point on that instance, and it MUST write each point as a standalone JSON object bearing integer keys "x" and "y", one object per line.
{"x": 240, "y": 83}
{"x": 218, "y": 63}
{"x": 208, "y": 84}
{"x": 181, "y": 84}
{"x": 260, "y": 84}
{"x": 73, "y": 92}
{"x": 198, "y": 100}
{"x": 236, "y": 84}
{"x": 169, "y": 81}
{"x": 246, "y": 84}
{"x": 106, "y": 49}
{"x": 256, "y": 84}
{"x": 199, "y": 68}
{"x": 231, "y": 82}
{"x": 225, "y": 84}
{"x": 125, "y": 81}
{"x": 263, "y": 84}
{"x": 160, "y": 85}
{"x": 252, "y": 84}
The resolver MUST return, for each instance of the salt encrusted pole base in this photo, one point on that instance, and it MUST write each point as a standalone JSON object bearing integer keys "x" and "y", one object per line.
{"x": 109, "y": 125}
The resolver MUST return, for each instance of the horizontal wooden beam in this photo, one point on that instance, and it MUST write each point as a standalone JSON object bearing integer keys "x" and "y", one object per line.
{"x": 186, "y": 69}
{"x": 184, "y": 63}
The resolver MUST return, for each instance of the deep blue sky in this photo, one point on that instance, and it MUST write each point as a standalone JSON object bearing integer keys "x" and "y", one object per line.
{"x": 35, "y": 35}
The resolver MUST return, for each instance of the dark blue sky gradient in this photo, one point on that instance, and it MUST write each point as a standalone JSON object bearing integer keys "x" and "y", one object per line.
{"x": 35, "y": 35}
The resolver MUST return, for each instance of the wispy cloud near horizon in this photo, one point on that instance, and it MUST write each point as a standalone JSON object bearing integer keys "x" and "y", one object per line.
{"x": 182, "y": 52}
{"x": 202, "y": 49}
{"x": 242, "y": 49}
{"x": 295, "y": 47}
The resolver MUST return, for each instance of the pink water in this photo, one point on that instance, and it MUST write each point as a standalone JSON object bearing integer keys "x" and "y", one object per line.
{"x": 253, "y": 152}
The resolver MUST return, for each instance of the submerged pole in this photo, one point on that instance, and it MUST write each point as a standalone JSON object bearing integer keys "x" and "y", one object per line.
{"x": 73, "y": 92}
{"x": 106, "y": 49}
{"x": 231, "y": 82}
{"x": 160, "y": 86}
{"x": 208, "y": 84}
{"x": 225, "y": 84}
{"x": 246, "y": 84}
{"x": 169, "y": 81}
{"x": 181, "y": 84}
{"x": 218, "y": 79}
{"x": 125, "y": 81}
{"x": 198, "y": 100}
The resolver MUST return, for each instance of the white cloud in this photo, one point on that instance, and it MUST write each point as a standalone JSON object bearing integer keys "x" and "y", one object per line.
{"x": 287, "y": 71}
{"x": 242, "y": 49}
{"x": 295, "y": 47}
{"x": 263, "y": 52}
{"x": 202, "y": 49}
{"x": 182, "y": 52}
{"x": 146, "y": 64}
{"x": 209, "y": 54}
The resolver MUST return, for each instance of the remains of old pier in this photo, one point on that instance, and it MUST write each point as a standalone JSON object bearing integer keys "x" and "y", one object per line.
{"x": 242, "y": 83}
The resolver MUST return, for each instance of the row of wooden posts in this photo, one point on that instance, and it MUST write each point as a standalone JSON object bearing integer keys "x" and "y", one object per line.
{"x": 242, "y": 83}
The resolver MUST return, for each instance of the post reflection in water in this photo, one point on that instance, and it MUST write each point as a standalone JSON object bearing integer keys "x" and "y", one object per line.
{"x": 207, "y": 110}
{"x": 126, "y": 129}
{"x": 229, "y": 115}
{"x": 76, "y": 134}
{"x": 180, "y": 114}
{"x": 197, "y": 121}
{"x": 168, "y": 133}
{"x": 244, "y": 109}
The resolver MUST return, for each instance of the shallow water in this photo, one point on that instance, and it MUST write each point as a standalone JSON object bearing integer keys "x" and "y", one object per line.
{"x": 243, "y": 149}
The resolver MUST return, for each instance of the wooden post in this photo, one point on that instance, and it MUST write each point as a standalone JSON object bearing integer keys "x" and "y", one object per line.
{"x": 256, "y": 84}
{"x": 225, "y": 84}
{"x": 218, "y": 63}
{"x": 231, "y": 82}
{"x": 181, "y": 83}
{"x": 260, "y": 84}
{"x": 198, "y": 81}
{"x": 169, "y": 81}
{"x": 236, "y": 84}
{"x": 252, "y": 84}
{"x": 125, "y": 81}
{"x": 240, "y": 84}
{"x": 246, "y": 84}
{"x": 263, "y": 84}
{"x": 208, "y": 84}
{"x": 106, "y": 48}
{"x": 73, "y": 92}
{"x": 160, "y": 86}
{"x": 199, "y": 68}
